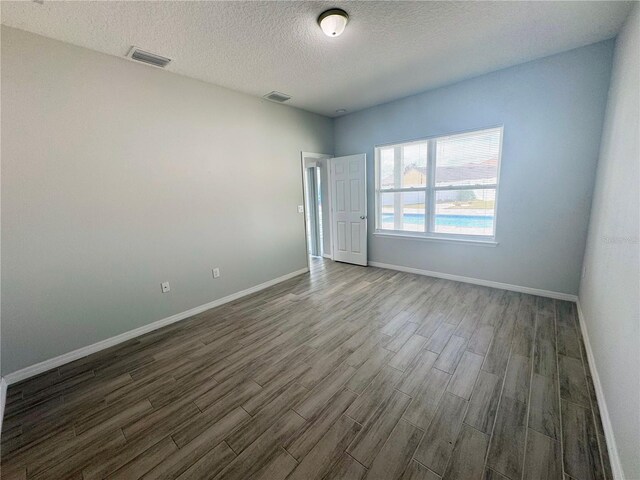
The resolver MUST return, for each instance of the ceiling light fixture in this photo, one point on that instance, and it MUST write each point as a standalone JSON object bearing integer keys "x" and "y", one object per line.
{"x": 333, "y": 22}
{"x": 341, "y": 110}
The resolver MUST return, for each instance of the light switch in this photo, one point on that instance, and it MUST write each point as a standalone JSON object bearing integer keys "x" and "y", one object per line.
{"x": 300, "y": 208}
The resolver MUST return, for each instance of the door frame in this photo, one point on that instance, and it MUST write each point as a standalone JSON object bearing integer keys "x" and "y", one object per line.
{"x": 304, "y": 156}
{"x": 313, "y": 206}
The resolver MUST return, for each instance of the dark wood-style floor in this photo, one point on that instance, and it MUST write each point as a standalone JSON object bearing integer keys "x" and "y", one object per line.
{"x": 345, "y": 373}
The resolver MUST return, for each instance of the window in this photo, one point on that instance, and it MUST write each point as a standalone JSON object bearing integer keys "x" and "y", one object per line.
{"x": 442, "y": 187}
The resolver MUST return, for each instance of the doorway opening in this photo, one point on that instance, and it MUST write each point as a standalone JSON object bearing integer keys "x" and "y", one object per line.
{"x": 315, "y": 206}
{"x": 313, "y": 211}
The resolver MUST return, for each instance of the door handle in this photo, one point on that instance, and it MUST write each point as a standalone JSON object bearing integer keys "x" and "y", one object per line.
{"x": 362, "y": 217}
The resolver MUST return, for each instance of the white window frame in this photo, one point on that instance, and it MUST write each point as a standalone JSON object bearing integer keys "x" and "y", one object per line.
{"x": 430, "y": 190}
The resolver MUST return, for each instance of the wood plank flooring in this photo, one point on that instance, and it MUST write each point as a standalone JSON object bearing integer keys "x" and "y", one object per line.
{"x": 344, "y": 373}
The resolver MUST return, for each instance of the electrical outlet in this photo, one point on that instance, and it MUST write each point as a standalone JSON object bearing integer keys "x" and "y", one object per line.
{"x": 216, "y": 272}
{"x": 300, "y": 208}
{"x": 165, "y": 287}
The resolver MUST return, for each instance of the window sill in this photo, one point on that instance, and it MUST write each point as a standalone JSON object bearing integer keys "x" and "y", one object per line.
{"x": 433, "y": 238}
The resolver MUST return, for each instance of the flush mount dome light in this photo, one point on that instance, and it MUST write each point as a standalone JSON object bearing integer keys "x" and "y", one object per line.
{"x": 333, "y": 22}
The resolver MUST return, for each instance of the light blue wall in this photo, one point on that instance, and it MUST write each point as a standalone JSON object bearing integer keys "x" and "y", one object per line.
{"x": 610, "y": 289}
{"x": 552, "y": 111}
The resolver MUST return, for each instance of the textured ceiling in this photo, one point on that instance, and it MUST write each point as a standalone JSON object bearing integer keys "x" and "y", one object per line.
{"x": 389, "y": 49}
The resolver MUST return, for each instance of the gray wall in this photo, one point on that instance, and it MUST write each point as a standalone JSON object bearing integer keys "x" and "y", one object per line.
{"x": 610, "y": 289}
{"x": 552, "y": 111}
{"x": 117, "y": 176}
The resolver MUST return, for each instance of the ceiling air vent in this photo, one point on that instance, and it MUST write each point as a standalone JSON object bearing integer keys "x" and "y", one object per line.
{"x": 147, "y": 57}
{"x": 277, "y": 97}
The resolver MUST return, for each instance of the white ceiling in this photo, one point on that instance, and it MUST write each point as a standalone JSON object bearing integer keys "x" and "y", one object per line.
{"x": 389, "y": 49}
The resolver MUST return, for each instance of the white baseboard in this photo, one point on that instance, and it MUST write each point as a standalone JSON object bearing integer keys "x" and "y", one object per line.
{"x": 327, "y": 255}
{"x": 614, "y": 458}
{"x": 55, "y": 362}
{"x": 479, "y": 281}
{"x": 3, "y": 398}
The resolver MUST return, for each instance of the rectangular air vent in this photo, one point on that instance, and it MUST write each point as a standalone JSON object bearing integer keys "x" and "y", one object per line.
{"x": 147, "y": 57}
{"x": 277, "y": 97}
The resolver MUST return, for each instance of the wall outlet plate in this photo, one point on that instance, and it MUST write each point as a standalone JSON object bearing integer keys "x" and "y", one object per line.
{"x": 165, "y": 287}
{"x": 300, "y": 208}
{"x": 216, "y": 272}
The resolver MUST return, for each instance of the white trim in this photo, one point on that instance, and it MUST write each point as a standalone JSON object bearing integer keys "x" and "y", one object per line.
{"x": 479, "y": 281}
{"x": 327, "y": 255}
{"x": 123, "y": 337}
{"x": 433, "y": 238}
{"x": 330, "y": 191}
{"x": 3, "y": 398}
{"x": 614, "y": 457}
{"x": 319, "y": 156}
{"x": 304, "y": 212}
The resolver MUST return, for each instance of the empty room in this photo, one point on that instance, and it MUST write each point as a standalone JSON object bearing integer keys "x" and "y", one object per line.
{"x": 312, "y": 240}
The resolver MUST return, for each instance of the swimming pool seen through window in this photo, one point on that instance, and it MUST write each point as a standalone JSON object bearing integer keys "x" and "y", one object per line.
{"x": 441, "y": 187}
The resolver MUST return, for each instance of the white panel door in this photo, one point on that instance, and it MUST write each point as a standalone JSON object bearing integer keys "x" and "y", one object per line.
{"x": 349, "y": 208}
